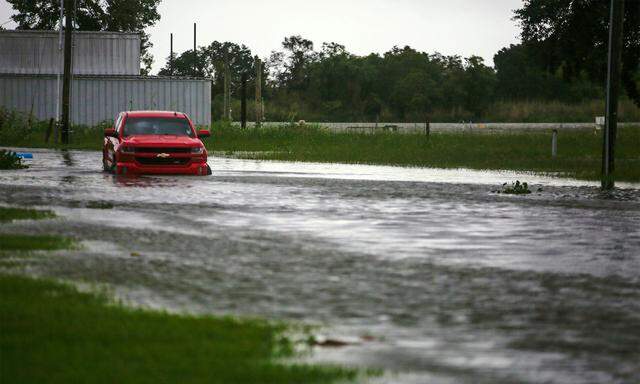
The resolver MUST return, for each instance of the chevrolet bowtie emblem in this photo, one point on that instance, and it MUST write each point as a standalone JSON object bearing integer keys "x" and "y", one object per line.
{"x": 163, "y": 155}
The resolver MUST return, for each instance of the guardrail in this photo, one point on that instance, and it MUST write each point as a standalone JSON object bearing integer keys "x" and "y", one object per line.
{"x": 427, "y": 128}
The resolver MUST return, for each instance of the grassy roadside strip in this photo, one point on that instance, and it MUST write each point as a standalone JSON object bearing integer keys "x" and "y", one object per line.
{"x": 579, "y": 153}
{"x": 53, "y": 333}
{"x": 50, "y": 332}
{"x": 33, "y": 243}
{"x": 8, "y": 214}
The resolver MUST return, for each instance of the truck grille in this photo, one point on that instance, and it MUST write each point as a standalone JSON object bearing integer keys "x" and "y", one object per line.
{"x": 163, "y": 161}
{"x": 163, "y": 150}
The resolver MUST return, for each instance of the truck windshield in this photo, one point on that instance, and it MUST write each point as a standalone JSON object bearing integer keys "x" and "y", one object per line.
{"x": 157, "y": 126}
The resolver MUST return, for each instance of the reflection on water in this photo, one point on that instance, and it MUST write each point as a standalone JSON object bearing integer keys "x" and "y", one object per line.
{"x": 134, "y": 181}
{"x": 447, "y": 281}
{"x": 67, "y": 158}
{"x": 70, "y": 179}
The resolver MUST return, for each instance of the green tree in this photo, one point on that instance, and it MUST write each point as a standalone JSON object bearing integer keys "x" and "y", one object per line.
{"x": 188, "y": 65}
{"x": 93, "y": 15}
{"x": 522, "y": 75}
{"x": 300, "y": 52}
{"x": 479, "y": 86}
{"x": 572, "y": 36}
{"x": 209, "y": 61}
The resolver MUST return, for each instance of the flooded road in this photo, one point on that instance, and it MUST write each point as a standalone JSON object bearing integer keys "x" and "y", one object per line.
{"x": 433, "y": 277}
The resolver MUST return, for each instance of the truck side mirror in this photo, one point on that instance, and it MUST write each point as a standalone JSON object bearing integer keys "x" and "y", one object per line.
{"x": 203, "y": 134}
{"x": 110, "y": 132}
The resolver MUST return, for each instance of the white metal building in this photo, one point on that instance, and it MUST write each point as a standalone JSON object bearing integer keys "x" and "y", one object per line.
{"x": 106, "y": 68}
{"x": 94, "y": 53}
{"x": 95, "y": 99}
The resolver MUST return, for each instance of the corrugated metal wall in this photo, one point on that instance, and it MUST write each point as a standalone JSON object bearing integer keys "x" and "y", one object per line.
{"x": 96, "y": 99}
{"x": 94, "y": 53}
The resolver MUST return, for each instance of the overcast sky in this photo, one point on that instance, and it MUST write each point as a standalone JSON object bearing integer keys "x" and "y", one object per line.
{"x": 462, "y": 27}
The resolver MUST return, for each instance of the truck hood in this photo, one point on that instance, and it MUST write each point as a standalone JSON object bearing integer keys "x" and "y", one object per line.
{"x": 162, "y": 141}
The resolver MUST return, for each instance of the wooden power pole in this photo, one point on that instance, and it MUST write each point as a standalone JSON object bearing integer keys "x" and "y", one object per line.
{"x": 195, "y": 52}
{"x": 258, "y": 92}
{"x": 227, "y": 94}
{"x": 243, "y": 101}
{"x": 66, "y": 77}
{"x": 171, "y": 55}
{"x": 616, "y": 23}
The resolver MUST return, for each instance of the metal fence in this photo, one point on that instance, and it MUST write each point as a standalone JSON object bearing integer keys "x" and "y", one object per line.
{"x": 94, "y": 53}
{"x": 408, "y": 128}
{"x": 95, "y": 99}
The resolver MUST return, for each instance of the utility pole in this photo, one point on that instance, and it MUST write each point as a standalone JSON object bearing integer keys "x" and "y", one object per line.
{"x": 258, "y": 92}
{"x": 616, "y": 23}
{"x": 66, "y": 86}
{"x": 243, "y": 101}
{"x": 60, "y": 56}
{"x": 195, "y": 52}
{"x": 227, "y": 91}
{"x": 171, "y": 55}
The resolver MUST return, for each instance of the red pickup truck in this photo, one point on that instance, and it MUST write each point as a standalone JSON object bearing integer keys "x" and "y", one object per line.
{"x": 154, "y": 142}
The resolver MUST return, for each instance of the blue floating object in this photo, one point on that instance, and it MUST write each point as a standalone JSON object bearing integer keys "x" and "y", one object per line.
{"x": 24, "y": 155}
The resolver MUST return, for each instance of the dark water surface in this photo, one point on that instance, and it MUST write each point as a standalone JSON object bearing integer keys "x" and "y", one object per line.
{"x": 429, "y": 274}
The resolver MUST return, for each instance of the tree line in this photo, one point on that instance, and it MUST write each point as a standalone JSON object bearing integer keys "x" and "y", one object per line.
{"x": 403, "y": 84}
{"x": 562, "y": 57}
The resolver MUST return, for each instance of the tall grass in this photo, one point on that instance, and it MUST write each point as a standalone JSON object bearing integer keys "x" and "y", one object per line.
{"x": 579, "y": 152}
{"x": 20, "y": 130}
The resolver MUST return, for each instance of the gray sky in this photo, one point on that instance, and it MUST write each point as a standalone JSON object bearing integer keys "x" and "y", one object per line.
{"x": 463, "y": 27}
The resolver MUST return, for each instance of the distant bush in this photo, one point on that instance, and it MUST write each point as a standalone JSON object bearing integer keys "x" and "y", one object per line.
{"x": 14, "y": 126}
{"x": 516, "y": 188}
{"x": 19, "y": 129}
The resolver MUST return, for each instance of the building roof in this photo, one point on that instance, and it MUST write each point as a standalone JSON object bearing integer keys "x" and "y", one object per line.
{"x": 109, "y": 77}
{"x": 19, "y": 32}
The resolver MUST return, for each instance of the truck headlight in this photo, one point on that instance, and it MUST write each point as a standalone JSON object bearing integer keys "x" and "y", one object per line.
{"x": 197, "y": 150}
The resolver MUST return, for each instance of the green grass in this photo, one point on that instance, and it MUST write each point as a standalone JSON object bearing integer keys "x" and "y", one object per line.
{"x": 87, "y": 138}
{"x": 9, "y": 214}
{"x": 579, "y": 153}
{"x": 11, "y": 242}
{"x": 18, "y": 130}
{"x": 51, "y": 333}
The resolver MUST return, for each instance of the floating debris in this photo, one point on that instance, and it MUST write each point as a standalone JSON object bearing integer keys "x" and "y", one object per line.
{"x": 516, "y": 188}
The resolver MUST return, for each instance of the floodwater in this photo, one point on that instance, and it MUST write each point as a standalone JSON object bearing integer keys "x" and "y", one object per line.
{"x": 426, "y": 273}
